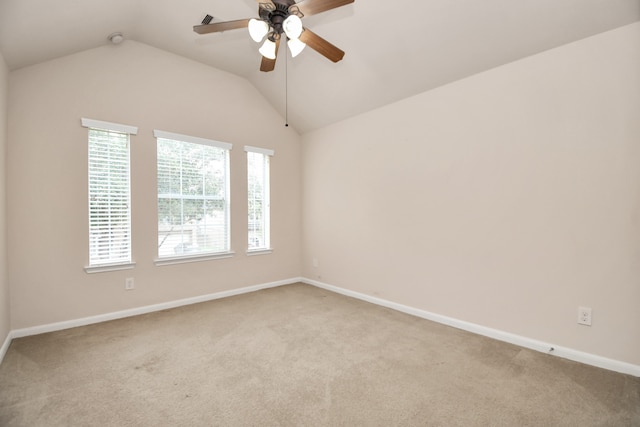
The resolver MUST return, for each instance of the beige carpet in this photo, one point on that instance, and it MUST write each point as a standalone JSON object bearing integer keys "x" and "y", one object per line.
{"x": 298, "y": 356}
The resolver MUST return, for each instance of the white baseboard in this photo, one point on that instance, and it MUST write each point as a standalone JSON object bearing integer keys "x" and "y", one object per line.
{"x": 52, "y": 327}
{"x": 5, "y": 346}
{"x": 566, "y": 353}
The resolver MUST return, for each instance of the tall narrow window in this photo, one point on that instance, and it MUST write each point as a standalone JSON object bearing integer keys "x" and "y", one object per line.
{"x": 109, "y": 194}
{"x": 258, "y": 198}
{"x": 193, "y": 196}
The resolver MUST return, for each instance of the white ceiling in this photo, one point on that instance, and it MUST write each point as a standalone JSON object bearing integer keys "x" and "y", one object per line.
{"x": 394, "y": 48}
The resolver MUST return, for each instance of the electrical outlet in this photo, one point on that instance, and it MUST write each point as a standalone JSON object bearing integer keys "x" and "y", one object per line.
{"x": 584, "y": 316}
{"x": 128, "y": 284}
{"x": 314, "y": 262}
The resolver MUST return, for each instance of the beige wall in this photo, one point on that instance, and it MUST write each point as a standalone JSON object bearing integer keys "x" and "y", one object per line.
{"x": 137, "y": 85}
{"x": 507, "y": 199}
{"x": 5, "y": 320}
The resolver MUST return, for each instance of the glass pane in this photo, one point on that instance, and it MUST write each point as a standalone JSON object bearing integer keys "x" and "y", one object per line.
{"x": 257, "y": 181}
{"x": 192, "y": 206}
{"x": 109, "y": 198}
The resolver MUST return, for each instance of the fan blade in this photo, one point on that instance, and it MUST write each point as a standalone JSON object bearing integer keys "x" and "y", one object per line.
{"x": 321, "y": 46}
{"x": 269, "y": 64}
{"x": 221, "y": 26}
{"x": 311, "y": 7}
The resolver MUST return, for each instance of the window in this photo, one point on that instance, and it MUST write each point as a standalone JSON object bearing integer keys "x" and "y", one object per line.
{"x": 258, "y": 198}
{"x": 109, "y": 195}
{"x": 193, "y": 196}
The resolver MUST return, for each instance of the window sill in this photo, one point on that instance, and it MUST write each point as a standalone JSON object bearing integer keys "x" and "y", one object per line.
{"x": 109, "y": 267}
{"x": 192, "y": 258}
{"x": 255, "y": 252}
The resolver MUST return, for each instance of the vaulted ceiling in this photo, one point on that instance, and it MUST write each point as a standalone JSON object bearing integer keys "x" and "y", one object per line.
{"x": 394, "y": 49}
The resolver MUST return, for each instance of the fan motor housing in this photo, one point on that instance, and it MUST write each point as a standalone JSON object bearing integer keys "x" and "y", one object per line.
{"x": 275, "y": 17}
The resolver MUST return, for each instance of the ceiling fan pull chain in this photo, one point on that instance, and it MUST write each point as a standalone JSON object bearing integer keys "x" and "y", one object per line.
{"x": 286, "y": 90}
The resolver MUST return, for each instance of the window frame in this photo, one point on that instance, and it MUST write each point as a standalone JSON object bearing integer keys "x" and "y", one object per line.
{"x": 199, "y": 256}
{"x": 266, "y": 197}
{"x": 115, "y": 264}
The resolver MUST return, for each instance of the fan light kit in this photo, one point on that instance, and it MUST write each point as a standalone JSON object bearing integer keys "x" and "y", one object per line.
{"x": 278, "y": 17}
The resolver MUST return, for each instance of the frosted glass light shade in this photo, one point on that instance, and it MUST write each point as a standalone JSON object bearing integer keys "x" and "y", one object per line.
{"x": 292, "y": 27}
{"x": 268, "y": 49}
{"x": 296, "y": 46}
{"x": 258, "y": 29}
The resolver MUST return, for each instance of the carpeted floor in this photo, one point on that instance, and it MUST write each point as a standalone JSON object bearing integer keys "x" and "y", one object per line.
{"x": 298, "y": 356}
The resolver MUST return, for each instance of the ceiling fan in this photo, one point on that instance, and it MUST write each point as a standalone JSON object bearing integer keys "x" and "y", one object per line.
{"x": 280, "y": 18}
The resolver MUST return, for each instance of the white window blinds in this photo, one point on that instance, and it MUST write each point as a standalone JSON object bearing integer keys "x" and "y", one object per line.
{"x": 109, "y": 193}
{"x": 193, "y": 196}
{"x": 258, "y": 198}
